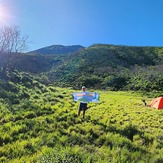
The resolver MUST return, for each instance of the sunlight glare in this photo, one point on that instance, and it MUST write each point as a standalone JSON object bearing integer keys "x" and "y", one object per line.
{"x": 6, "y": 17}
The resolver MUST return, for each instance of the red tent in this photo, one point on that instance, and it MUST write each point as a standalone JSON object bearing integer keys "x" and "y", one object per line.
{"x": 157, "y": 103}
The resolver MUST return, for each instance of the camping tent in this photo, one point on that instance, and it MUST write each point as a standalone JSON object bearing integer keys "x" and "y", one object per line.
{"x": 157, "y": 103}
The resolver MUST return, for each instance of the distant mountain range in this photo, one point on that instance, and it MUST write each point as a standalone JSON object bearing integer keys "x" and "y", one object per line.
{"x": 58, "y": 49}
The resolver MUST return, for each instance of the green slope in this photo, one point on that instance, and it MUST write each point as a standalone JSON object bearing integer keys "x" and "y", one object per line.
{"x": 103, "y": 66}
{"x": 100, "y": 66}
{"x": 39, "y": 123}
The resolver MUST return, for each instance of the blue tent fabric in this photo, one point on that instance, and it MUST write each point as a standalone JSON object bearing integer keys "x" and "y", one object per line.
{"x": 86, "y": 97}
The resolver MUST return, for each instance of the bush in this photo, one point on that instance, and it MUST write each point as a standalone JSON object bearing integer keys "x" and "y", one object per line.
{"x": 61, "y": 155}
{"x": 92, "y": 81}
{"x": 30, "y": 115}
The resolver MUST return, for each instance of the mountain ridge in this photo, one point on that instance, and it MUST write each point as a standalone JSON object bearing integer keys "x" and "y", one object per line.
{"x": 57, "y": 49}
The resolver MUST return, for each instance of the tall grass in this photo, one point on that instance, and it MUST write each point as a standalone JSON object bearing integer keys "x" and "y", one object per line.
{"x": 44, "y": 127}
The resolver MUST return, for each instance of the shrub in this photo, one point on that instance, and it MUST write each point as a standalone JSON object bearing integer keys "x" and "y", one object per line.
{"x": 30, "y": 114}
{"x": 61, "y": 155}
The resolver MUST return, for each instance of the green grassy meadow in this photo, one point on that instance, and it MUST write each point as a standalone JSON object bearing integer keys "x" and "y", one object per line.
{"x": 43, "y": 127}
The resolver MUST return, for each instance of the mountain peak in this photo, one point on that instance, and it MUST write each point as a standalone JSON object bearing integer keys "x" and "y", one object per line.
{"x": 58, "y": 49}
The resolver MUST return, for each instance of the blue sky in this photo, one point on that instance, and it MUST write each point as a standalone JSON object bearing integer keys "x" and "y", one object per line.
{"x": 86, "y": 22}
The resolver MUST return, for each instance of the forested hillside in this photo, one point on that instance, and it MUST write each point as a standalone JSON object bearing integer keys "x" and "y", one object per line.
{"x": 113, "y": 67}
{"x": 99, "y": 66}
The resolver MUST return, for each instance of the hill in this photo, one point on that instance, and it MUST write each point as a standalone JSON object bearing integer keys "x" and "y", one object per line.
{"x": 57, "y": 49}
{"x": 118, "y": 67}
{"x": 36, "y": 63}
{"x": 99, "y": 66}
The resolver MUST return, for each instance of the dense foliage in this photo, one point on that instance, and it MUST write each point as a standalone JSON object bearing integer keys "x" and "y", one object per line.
{"x": 99, "y": 66}
{"x": 113, "y": 67}
{"x": 39, "y": 124}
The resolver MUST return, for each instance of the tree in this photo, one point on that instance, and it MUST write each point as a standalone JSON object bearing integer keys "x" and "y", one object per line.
{"x": 11, "y": 43}
{"x": 11, "y": 40}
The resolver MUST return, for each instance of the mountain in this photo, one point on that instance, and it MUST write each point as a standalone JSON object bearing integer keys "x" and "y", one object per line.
{"x": 37, "y": 63}
{"x": 102, "y": 66}
{"x": 58, "y": 49}
{"x": 99, "y": 66}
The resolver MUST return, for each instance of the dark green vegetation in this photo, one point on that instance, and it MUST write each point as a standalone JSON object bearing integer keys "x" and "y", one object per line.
{"x": 38, "y": 118}
{"x": 39, "y": 123}
{"x": 114, "y": 67}
{"x": 100, "y": 66}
